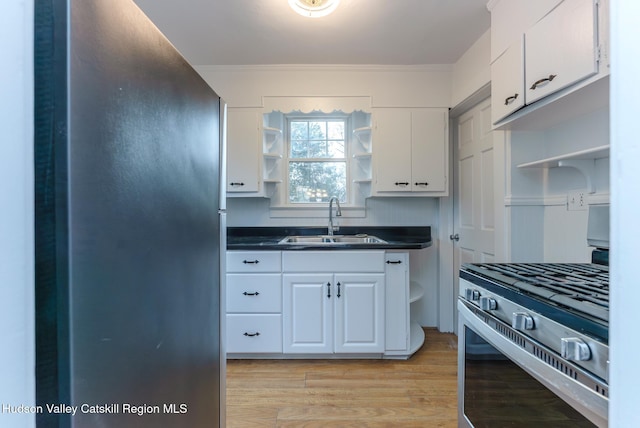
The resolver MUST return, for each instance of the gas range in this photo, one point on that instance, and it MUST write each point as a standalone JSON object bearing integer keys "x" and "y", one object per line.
{"x": 562, "y": 306}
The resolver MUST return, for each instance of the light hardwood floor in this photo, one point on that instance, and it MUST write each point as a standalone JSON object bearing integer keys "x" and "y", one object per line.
{"x": 419, "y": 392}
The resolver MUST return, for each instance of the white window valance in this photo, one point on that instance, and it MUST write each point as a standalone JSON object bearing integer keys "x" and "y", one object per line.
{"x": 316, "y": 104}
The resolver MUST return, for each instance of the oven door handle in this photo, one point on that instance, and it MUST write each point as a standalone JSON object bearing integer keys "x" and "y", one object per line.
{"x": 591, "y": 404}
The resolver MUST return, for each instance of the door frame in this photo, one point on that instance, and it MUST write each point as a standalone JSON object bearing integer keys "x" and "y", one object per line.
{"x": 448, "y": 288}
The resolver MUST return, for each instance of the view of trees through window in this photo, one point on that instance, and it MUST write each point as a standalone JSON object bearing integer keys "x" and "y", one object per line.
{"x": 317, "y": 160}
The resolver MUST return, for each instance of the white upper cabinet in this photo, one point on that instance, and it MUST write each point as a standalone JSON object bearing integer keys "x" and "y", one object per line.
{"x": 544, "y": 51}
{"x": 410, "y": 151}
{"x": 561, "y": 49}
{"x": 507, "y": 82}
{"x": 243, "y": 150}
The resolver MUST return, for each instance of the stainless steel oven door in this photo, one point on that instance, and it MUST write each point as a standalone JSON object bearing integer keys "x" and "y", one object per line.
{"x": 500, "y": 384}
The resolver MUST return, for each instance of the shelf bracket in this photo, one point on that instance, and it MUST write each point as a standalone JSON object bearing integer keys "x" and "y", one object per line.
{"x": 586, "y": 166}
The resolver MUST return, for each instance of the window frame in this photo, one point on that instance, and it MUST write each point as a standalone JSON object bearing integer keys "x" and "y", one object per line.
{"x": 323, "y": 117}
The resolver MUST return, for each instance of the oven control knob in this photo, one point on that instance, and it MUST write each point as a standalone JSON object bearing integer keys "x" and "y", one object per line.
{"x": 472, "y": 294}
{"x": 522, "y": 321}
{"x": 574, "y": 349}
{"x": 488, "y": 303}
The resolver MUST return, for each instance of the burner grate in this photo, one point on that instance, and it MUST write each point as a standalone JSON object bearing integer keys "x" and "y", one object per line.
{"x": 581, "y": 287}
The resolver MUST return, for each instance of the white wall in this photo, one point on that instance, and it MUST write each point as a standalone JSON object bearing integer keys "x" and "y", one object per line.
{"x": 625, "y": 212}
{"x": 472, "y": 71}
{"x": 537, "y": 197}
{"x": 388, "y": 86}
{"x": 17, "y": 358}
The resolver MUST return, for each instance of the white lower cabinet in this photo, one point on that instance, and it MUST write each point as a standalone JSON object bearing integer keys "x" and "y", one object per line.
{"x": 327, "y": 303}
{"x": 333, "y": 302}
{"x": 403, "y": 337}
{"x": 333, "y": 313}
{"x": 254, "y": 302}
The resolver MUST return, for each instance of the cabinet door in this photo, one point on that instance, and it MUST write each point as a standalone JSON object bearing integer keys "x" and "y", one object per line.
{"x": 392, "y": 149}
{"x": 561, "y": 49}
{"x": 308, "y": 313}
{"x": 429, "y": 150}
{"x": 397, "y": 316}
{"x": 359, "y": 313}
{"x": 243, "y": 150}
{"x": 507, "y": 82}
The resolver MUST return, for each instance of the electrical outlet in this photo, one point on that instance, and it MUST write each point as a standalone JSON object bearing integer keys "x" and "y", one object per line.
{"x": 576, "y": 201}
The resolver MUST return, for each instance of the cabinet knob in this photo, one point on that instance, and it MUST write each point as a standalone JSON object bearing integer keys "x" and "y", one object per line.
{"x": 543, "y": 80}
{"x": 251, "y": 262}
{"x": 338, "y": 284}
{"x": 257, "y": 333}
{"x": 421, "y": 183}
{"x": 394, "y": 262}
{"x": 328, "y": 290}
{"x": 401, "y": 183}
{"x": 246, "y": 293}
{"x": 235, "y": 183}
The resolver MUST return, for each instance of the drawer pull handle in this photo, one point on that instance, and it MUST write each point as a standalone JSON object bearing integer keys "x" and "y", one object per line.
{"x": 541, "y": 81}
{"x": 394, "y": 262}
{"x": 401, "y": 183}
{"x": 421, "y": 183}
{"x": 328, "y": 290}
{"x": 510, "y": 99}
{"x": 257, "y": 333}
{"x": 251, "y": 262}
{"x": 235, "y": 183}
{"x": 246, "y": 293}
{"x": 338, "y": 290}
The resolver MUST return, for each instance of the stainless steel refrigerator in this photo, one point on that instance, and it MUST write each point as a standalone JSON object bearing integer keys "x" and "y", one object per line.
{"x": 130, "y": 227}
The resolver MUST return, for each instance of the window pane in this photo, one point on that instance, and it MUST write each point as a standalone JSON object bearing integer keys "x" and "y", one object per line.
{"x": 335, "y": 130}
{"x": 299, "y": 131}
{"x": 317, "y": 181}
{"x": 317, "y": 130}
{"x": 299, "y": 148}
{"x": 336, "y": 149}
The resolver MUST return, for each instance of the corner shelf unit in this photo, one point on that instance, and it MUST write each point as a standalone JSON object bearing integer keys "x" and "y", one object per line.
{"x": 362, "y": 160}
{"x": 582, "y": 160}
{"x": 416, "y": 332}
{"x": 272, "y": 154}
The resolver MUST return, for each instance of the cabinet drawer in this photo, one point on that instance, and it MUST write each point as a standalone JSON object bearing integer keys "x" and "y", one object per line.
{"x": 254, "y": 333}
{"x": 253, "y": 261}
{"x": 333, "y": 261}
{"x": 251, "y": 293}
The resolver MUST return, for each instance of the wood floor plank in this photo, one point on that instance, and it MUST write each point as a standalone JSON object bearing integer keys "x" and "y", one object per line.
{"x": 419, "y": 392}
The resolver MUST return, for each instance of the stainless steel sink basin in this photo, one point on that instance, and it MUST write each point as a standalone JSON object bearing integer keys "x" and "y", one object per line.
{"x": 332, "y": 240}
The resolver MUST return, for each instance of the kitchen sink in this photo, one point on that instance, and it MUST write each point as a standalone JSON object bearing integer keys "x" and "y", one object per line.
{"x": 332, "y": 240}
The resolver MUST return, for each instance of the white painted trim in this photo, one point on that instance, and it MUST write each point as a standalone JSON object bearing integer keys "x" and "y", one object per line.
{"x": 552, "y": 200}
{"x": 445, "y": 68}
{"x": 316, "y": 212}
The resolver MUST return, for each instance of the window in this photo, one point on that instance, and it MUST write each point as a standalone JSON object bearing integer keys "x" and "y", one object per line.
{"x": 317, "y": 158}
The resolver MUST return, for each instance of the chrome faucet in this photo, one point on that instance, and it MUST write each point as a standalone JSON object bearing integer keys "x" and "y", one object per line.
{"x": 330, "y": 228}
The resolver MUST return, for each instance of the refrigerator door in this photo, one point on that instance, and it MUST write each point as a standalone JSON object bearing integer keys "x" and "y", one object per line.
{"x": 128, "y": 287}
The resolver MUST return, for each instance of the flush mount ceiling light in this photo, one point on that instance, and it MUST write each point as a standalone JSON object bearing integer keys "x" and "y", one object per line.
{"x": 314, "y": 8}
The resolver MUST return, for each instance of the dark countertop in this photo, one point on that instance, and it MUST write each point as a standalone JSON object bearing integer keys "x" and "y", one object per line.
{"x": 267, "y": 238}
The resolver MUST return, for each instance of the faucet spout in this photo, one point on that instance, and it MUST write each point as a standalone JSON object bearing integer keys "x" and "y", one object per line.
{"x": 331, "y": 228}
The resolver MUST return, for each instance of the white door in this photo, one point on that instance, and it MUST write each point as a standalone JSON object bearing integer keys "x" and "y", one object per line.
{"x": 474, "y": 212}
{"x": 308, "y": 313}
{"x": 359, "y": 313}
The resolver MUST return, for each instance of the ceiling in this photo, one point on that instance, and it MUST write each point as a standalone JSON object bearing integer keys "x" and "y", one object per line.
{"x": 381, "y": 32}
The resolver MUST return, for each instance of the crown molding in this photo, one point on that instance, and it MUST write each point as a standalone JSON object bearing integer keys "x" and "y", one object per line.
{"x": 420, "y": 68}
